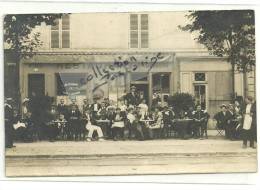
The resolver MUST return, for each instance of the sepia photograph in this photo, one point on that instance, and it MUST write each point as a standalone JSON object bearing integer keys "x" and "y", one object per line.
{"x": 130, "y": 93}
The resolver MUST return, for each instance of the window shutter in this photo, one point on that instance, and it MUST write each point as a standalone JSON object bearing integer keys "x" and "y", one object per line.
{"x": 144, "y": 31}
{"x": 65, "y": 35}
{"x": 55, "y": 35}
{"x": 133, "y": 31}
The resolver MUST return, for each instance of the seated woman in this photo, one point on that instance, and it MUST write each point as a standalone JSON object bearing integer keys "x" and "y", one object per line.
{"x": 156, "y": 125}
{"x": 118, "y": 124}
{"x": 91, "y": 128}
{"x": 130, "y": 121}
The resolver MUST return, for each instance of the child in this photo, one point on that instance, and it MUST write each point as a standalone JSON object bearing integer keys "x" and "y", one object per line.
{"x": 61, "y": 124}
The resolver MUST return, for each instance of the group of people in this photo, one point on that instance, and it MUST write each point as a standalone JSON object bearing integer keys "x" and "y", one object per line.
{"x": 130, "y": 118}
{"x": 238, "y": 121}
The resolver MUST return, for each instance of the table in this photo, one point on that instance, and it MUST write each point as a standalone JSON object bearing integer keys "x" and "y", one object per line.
{"x": 182, "y": 126}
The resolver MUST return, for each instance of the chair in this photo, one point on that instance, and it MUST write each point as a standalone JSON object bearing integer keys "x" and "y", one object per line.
{"x": 220, "y": 130}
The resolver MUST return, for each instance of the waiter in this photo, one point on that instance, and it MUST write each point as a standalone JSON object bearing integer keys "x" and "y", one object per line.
{"x": 249, "y": 124}
{"x": 9, "y": 117}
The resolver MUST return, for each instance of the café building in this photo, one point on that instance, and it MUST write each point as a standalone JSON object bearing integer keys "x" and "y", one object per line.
{"x": 80, "y": 60}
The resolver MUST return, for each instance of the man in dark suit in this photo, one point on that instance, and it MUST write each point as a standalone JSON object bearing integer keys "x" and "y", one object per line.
{"x": 249, "y": 123}
{"x": 62, "y": 109}
{"x": 95, "y": 108}
{"x": 224, "y": 118}
{"x": 199, "y": 118}
{"x": 9, "y": 117}
{"x": 132, "y": 97}
{"x": 74, "y": 125}
{"x": 86, "y": 105}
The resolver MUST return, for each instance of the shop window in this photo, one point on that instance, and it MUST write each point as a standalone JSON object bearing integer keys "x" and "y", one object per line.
{"x": 71, "y": 84}
{"x": 139, "y": 35}
{"x": 200, "y": 77}
{"x": 60, "y": 33}
{"x": 139, "y": 77}
{"x": 161, "y": 83}
{"x": 116, "y": 88}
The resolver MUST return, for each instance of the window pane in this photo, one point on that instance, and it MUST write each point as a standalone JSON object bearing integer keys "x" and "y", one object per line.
{"x": 56, "y": 25}
{"x": 161, "y": 81}
{"x": 65, "y": 22}
{"x": 133, "y": 22}
{"x": 134, "y": 39}
{"x": 144, "y": 22}
{"x": 65, "y": 39}
{"x": 71, "y": 84}
{"x": 144, "y": 39}
{"x": 200, "y": 77}
{"x": 54, "y": 39}
{"x": 117, "y": 88}
{"x": 139, "y": 76}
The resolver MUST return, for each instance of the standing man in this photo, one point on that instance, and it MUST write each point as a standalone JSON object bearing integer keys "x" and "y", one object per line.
{"x": 62, "y": 108}
{"x": 9, "y": 117}
{"x": 249, "y": 123}
{"x": 74, "y": 123}
{"x": 224, "y": 120}
{"x": 132, "y": 97}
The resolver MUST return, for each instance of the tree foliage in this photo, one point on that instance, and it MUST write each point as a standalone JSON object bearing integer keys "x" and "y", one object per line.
{"x": 181, "y": 101}
{"x": 18, "y": 33}
{"x": 229, "y": 33}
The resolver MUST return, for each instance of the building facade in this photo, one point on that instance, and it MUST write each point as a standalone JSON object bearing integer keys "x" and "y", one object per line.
{"x": 88, "y": 55}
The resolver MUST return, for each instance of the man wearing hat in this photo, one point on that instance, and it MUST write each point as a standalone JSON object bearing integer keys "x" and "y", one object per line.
{"x": 224, "y": 118}
{"x": 132, "y": 97}
{"x": 9, "y": 117}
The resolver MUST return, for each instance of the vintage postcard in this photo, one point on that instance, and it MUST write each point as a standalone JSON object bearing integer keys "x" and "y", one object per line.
{"x": 129, "y": 93}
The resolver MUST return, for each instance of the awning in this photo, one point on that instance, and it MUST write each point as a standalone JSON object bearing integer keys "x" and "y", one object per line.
{"x": 56, "y": 58}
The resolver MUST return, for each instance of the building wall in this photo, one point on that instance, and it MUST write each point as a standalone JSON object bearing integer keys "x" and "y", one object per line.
{"x": 111, "y": 31}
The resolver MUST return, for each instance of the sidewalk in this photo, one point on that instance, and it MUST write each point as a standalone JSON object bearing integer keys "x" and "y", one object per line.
{"x": 117, "y": 148}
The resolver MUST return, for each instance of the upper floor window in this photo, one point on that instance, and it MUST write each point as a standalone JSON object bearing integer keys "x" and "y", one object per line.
{"x": 200, "y": 77}
{"x": 60, "y": 33}
{"x": 139, "y": 31}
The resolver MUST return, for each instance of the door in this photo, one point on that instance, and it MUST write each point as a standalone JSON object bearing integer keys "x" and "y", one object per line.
{"x": 36, "y": 84}
{"x": 200, "y": 95}
{"x": 142, "y": 90}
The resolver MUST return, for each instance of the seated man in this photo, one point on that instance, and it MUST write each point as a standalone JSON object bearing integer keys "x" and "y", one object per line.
{"x": 199, "y": 119}
{"x": 87, "y": 117}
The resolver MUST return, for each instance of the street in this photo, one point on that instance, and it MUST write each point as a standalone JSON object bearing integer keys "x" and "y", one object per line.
{"x": 129, "y": 157}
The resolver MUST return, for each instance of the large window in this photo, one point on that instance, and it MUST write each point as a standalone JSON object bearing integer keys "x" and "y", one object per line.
{"x": 71, "y": 84}
{"x": 60, "y": 33}
{"x": 139, "y": 35}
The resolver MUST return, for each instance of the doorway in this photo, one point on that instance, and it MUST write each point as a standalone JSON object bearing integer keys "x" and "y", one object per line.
{"x": 200, "y": 95}
{"x": 36, "y": 84}
{"x": 142, "y": 90}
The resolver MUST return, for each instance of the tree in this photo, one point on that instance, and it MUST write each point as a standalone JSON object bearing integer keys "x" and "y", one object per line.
{"x": 19, "y": 37}
{"x": 181, "y": 102}
{"x": 226, "y": 33}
